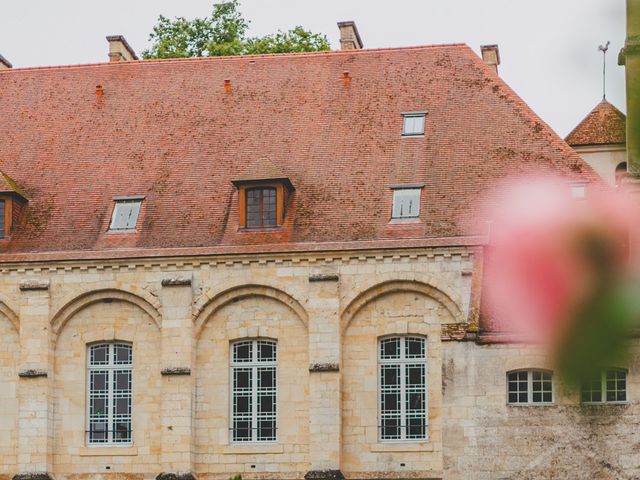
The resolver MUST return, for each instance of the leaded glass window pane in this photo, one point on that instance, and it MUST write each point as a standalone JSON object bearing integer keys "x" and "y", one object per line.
{"x": 109, "y": 393}
{"x": 403, "y": 388}
{"x": 253, "y": 372}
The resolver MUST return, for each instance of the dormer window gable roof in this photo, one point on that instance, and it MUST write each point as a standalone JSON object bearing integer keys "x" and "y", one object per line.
{"x": 9, "y": 187}
{"x": 263, "y": 171}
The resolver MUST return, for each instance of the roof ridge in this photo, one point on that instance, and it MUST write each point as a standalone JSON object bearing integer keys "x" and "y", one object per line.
{"x": 158, "y": 61}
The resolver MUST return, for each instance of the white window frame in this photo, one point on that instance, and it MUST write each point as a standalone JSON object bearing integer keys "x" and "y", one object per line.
{"x": 578, "y": 190}
{"x": 403, "y": 362}
{"x": 110, "y": 368}
{"x": 255, "y": 365}
{"x": 604, "y": 390}
{"x": 134, "y": 213}
{"x": 408, "y": 115}
{"x": 530, "y": 402}
{"x": 397, "y": 191}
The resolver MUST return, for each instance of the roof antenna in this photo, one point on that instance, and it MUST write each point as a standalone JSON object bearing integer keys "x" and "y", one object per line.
{"x": 604, "y": 49}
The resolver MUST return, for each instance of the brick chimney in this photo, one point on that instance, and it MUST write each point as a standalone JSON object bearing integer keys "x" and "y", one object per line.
{"x": 349, "y": 36}
{"x": 491, "y": 55}
{"x": 4, "y": 63}
{"x": 119, "y": 49}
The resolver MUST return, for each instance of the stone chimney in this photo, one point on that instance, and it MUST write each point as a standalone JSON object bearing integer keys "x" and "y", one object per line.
{"x": 349, "y": 36}
{"x": 4, "y": 63}
{"x": 491, "y": 55}
{"x": 119, "y": 49}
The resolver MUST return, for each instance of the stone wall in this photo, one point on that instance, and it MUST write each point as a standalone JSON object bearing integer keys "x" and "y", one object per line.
{"x": 327, "y": 312}
{"x": 488, "y": 439}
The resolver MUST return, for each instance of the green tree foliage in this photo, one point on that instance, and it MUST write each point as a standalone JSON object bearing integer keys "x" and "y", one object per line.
{"x": 224, "y": 33}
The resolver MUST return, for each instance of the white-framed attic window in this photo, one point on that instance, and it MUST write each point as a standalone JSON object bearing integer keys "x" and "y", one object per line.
{"x": 125, "y": 213}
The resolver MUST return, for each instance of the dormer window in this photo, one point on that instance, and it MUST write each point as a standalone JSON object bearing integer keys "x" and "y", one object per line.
{"x": 413, "y": 124}
{"x": 406, "y": 202}
{"x": 3, "y": 220}
{"x": 262, "y": 207}
{"x": 125, "y": 214}
{"x": 12, "y": 204}
{"x": 263, "y": 193}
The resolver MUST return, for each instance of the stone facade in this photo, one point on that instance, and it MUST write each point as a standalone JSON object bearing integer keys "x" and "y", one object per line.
{"x": 327, "y": 312}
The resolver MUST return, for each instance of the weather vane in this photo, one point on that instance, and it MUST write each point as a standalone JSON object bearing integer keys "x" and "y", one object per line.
{"x": 604, "y": 49}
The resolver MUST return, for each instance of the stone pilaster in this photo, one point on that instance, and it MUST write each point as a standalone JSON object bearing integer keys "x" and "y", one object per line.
{"x": 35, "y": 393}
{"x": 324, "y": 376}
{"x": 177, "y": 381}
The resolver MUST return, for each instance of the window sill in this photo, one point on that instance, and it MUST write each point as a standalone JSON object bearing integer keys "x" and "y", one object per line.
{"x": 405, "y": 221}
{"x": 251, "y": 449}
{"x": 604, "y": 404}
{"x": 115, "y": 451}
{"x": 540, "y": 404}
{"x": 402, "y": 447}
{"x": 412, "y": 135}
{"x": 277, "y": 228}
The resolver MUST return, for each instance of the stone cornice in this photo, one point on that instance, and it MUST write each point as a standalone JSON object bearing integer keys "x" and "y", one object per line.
{"x": 32, "y": 373}
{"x": 324, "y": 367}
{"x": 272, "y": 250}
{"x": 176, "y": 371}
{"x": 175, "y": 265}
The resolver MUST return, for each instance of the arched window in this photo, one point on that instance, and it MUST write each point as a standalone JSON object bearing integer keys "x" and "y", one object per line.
{"x": 402, "y": 364}
{"x": 109, "y": 391}
{"x": 621, "y": 172}
{"x": 529, "y": 387}
{"x": 261, "y": 207}
{"x": 253, "y": 391}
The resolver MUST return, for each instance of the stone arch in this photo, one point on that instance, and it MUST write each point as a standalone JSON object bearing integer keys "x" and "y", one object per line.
{"x": 394, "y": 286}
{"x": 10, "y": 313}
{"x": 136, "y": 296}
{"x": 209, "y": 304}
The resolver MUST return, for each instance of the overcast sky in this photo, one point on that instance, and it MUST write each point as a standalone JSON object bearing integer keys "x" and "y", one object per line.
{"x": 548, "y": 48}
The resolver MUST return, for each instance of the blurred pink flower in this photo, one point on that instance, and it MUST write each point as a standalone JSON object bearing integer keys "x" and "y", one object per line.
{"x": 550, "y": 253}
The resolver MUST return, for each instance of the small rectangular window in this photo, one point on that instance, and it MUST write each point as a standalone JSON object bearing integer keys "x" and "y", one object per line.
{"x": 406, "y": 203}
{"x": 526, "y": 387}
{"x": 125, "y": 214}
{"x": 578, "y": 190}
{"x": 606, "y": 386}
{"x": 413, "y": 123}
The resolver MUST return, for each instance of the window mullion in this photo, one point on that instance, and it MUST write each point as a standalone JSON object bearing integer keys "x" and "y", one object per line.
{"x": 403, "y": 391}
{"x": 110, "y": 395}
{"x": 254, "y": 392}
{"x": 530, "y": 386}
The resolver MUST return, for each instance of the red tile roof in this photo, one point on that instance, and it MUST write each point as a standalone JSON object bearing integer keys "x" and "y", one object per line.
{"x": 604, "y": 125}
{"x": 169, "y": 130}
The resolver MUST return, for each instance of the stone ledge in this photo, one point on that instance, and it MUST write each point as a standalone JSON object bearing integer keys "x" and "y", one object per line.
{"x": 32, "y": 373}
{"x": 176, "y": 371}
{"x": 177, "y": 281}
{"x": 324, "y": 367}
{"x": 176, "y": 476}
{"x": 252, "y": 449}
{"x": 324, "y": 475}
{"x": 108, "y": 451}
{"x": 324, "y": 277}
{"x": 32, "y": 476}
{"x": 27, "y": 285}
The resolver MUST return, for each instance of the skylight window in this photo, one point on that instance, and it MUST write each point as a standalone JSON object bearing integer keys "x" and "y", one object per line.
{"x": 413, "y": 123}
{"x": 125, "y": 214}
{"x": 406, "y": 203}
